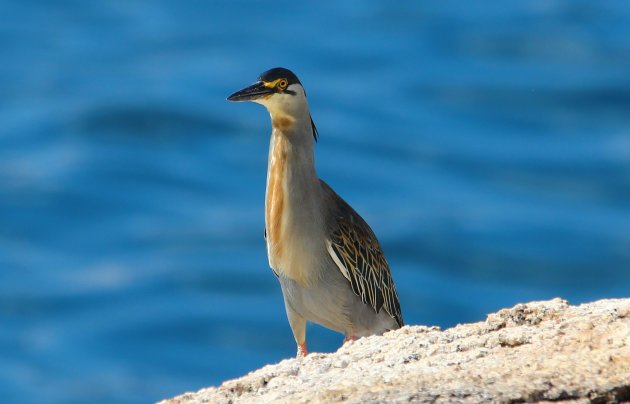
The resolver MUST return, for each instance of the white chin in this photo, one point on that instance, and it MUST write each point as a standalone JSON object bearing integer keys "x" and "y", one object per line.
{"x": 261, "y": 101}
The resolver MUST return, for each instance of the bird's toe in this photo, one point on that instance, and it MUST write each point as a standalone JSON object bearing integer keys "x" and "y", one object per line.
{"x": 302, "y": 351}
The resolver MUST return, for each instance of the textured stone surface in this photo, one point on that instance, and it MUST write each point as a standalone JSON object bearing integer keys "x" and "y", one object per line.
{"x": 539, "y": 351}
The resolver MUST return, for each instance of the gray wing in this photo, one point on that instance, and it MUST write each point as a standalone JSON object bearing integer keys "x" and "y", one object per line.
{"x": 354, "y": 248}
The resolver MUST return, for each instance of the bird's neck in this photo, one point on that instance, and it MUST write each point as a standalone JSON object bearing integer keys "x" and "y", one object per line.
{"x": 292, "y": 204}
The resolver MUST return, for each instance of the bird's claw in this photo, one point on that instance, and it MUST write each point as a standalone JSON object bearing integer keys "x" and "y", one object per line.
{"x": 349, "y": 338}
{"x": 301, "y": 350}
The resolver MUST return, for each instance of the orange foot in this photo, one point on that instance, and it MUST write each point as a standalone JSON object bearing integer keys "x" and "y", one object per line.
{"x": 349, "y": 338}
{"x": 302, "y": 351}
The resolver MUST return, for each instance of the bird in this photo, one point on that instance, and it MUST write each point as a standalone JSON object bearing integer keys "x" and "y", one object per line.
{"x": 330, "y": 265}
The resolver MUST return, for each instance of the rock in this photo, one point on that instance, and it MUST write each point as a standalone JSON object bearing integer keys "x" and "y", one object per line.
{"x": 539, "y": 351}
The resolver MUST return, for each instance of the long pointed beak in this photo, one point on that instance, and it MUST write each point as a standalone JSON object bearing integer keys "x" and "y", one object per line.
{"x": 253, "y": 92}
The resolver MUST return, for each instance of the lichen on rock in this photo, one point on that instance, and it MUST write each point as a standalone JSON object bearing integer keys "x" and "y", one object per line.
{"x": 539, "y": 351}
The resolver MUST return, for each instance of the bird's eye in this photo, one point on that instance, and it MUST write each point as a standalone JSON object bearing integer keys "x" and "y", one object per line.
{"x": 282, "y": 84}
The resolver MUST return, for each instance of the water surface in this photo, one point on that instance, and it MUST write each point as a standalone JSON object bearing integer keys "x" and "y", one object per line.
{"x": 487, "y": 145}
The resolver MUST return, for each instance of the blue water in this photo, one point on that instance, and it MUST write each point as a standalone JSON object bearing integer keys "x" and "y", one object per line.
{"x": 487, "y": 144}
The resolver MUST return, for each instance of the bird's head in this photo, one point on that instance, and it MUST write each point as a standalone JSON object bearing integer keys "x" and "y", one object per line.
{"x": 279, "y": 90}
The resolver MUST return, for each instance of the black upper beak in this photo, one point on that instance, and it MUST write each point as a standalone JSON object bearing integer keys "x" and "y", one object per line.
{"x": 253, "y": 92}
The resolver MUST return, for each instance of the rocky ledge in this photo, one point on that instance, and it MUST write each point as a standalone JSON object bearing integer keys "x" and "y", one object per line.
{"x": 539, "y": 351}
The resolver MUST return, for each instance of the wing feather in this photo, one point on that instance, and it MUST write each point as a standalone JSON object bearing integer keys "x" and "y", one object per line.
{"x": 357, "y": 253}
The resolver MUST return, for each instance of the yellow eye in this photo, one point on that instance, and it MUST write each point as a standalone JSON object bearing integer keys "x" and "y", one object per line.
{"x": 282, "y": 84}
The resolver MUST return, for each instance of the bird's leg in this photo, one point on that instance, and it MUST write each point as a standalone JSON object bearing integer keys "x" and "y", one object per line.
{"x": 298, "y": 326}
{"x": 301, "y": 350}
